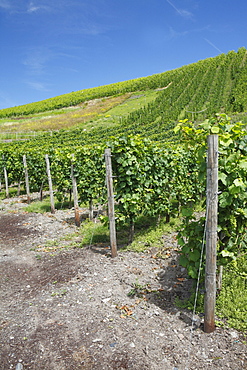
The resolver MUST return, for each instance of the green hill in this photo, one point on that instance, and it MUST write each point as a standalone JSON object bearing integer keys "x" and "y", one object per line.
{"x": 149, "y": 106}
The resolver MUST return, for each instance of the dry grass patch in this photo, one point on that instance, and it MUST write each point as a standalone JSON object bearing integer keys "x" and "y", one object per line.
{"x": 82, "y": 113}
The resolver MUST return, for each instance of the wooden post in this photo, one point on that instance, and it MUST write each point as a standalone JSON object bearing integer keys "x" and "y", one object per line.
{"x": 6, "y": 181}
{"x": 75, "y": 195}
{"x": 91, "y": 209}
{"x": 110, "y": 194}
{"x": 19, "y": 188}
{"x": 211, "y": 233}
{"x": 41, "y": 192}
{"x": 50, "y": 183}
{"x": 26, "y": 178}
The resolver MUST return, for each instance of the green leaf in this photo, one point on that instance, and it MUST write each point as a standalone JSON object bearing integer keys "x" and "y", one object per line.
{"x": 223, "y": 177}
{"x": 187, "y": 212}
{"x": 243, "y": 164}
{"x": 180, "y": 241}
{"x": 183, "y": 261}
{"x": 226, "y": 253}
{"x": 195, "y": 255}
{"x": 215, "y": 130}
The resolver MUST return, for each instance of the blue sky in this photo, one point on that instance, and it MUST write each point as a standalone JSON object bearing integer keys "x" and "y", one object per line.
{"x": 53, "y": 47}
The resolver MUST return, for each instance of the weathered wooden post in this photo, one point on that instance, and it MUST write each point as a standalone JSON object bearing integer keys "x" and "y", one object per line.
{"x": 6, "y": 179}
{"x": 50, "y": 183}
{"x": 75, "y": 194}
{"x": 91, "y": 209}
{"x": 111, "y": 213}
{"x": 26, "y": 178}
{"x": 211, "y": 233}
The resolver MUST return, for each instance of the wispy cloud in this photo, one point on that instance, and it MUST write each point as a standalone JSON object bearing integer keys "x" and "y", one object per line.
{"x": 182, "y": 12}
{"x": 174, "y": 34}
{"x": 36, "y": 60}
{"x": 22, "y": 6}
{"x": 34, "y": 7}
{"x": 5, "y": 4}
{"x": 214, "y": 46}
{"x": 38, "y": 86}
{"x": 70, "y": 17}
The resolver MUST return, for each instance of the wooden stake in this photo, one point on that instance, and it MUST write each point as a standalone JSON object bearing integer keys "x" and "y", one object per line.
{"x": 75, "y": 195}
{"x": 50, "y": 183}
{"x": 19, "y": 188}
{"x": 91, "y": 209}
{"x": 41, "y": 192}
{"x": 6, "y": 182}
{"x": 111, "y": 212}
{"x": 211, "y": 233}
{"x": 26, "y": 178}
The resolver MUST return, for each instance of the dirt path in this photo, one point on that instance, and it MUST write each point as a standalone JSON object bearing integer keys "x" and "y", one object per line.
{"x": 66, "y": 308}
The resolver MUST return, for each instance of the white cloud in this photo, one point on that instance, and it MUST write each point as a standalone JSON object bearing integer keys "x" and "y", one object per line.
{"x": 184, "y": 13}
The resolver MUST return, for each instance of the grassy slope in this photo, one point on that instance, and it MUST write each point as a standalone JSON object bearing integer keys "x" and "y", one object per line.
{"x": 96, "y": 113}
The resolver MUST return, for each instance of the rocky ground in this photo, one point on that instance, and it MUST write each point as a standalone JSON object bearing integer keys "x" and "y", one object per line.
{"x": 64, "y": 307}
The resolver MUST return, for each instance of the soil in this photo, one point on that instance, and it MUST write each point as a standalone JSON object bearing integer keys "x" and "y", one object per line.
{"x": 63, "y": 307}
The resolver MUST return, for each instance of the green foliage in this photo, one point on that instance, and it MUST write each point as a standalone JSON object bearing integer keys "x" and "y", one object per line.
{"x": 150, "y": 179}
{"x": 190, "y": 238}
{"x": 232, "y": 208}
{"x": 232, "y": 301}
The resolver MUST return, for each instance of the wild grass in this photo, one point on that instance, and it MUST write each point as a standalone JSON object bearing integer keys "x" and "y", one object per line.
{"x": 147, "y": 234}
{"x": 232, "y": 301}
{"x": 63, "y": 118}
{"x": 104, "y": 112}
{"x": 44, "y": 205}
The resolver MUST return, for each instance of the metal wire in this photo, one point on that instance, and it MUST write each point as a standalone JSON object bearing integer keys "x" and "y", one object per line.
{"x": 197, "y": 291}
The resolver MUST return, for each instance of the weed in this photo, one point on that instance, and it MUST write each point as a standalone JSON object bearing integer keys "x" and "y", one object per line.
{"x": 139, "y": 290}
{"x": 149, "y": 234}
{"x": 59, "y": 294}
{"x": 94, "y": 233}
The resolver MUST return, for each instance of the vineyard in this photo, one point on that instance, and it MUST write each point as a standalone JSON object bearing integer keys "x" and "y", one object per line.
{"x": 158, "y": 151}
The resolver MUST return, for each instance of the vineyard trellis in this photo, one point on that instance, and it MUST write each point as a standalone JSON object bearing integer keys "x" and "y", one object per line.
{"x": 153, "y": 179}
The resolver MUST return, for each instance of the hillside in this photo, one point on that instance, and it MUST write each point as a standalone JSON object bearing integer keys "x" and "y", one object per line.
{"x": 149, "y": 106}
